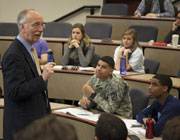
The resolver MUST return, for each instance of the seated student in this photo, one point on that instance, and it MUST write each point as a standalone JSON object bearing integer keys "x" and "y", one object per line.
{"x": 175, "y": 29}
{"x": 42, "y": 51}
{"x": 130, "y": 49}
{"x": 164, "y": 107}
{"x": 110, "y": 127}
{"x": 107, "y": 92}
{"x": 155, "y": 8}
{"x": 80, "y": 50}
{"x": 171, "y": 129}
{"x": 47, "y": 128}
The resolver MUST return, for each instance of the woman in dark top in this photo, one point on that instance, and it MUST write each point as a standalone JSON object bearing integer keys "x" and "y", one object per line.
{"x": 79, "y": 51}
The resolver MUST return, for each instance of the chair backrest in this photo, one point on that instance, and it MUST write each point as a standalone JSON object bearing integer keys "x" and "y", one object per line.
{"x": 57, "y": 29}
{"x": 151, "y": 65}
{"x": 139, "y": 100}
{"x": 98, "y": 30}
{"x": 145, "y": 33}
{"x": 95, "y": 59}
{"x": 115, "y": 9}
{"x": 178, "y": 74}
{"x": 9, "y": 29}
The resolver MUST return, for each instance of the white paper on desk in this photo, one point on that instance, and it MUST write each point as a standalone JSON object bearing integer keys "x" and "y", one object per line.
{"x": 136, "y": 130}
{"x": 86, "y": 68}
{"x": 58, "y": 67}
{"x": 81, "y": 113}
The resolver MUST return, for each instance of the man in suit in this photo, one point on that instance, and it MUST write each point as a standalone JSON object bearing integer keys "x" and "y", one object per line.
{"x": 25, "y": 90}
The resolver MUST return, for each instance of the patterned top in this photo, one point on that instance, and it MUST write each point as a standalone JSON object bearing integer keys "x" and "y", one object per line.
{"x": 168, "y": 7}
{"x": 112, "y": 95}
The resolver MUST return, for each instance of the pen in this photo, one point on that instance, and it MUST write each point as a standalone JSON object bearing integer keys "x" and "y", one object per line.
{"x": 84, "y": 114}
{"x": 136, "y": 125}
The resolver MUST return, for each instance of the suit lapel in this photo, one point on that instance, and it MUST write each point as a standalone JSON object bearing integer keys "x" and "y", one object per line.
{"x": 28, "y": 58}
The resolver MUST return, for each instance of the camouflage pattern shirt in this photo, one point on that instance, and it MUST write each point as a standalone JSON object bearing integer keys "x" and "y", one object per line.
{"x": 112, "y": 95}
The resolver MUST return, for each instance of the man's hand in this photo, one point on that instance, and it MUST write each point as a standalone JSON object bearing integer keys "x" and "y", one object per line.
{"x": 87, "y": 89}
{"x": 145, "y": 119}
{"x": 48, "y": 70}
{"x": 175, "y": 25}
{"x": 84, "y": 102}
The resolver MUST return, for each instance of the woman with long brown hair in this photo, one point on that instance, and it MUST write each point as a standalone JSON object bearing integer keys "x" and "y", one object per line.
{"x": 80, "y": 50}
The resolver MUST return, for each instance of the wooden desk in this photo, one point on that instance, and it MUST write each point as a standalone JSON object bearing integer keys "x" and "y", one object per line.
{"x": 67, "y": 84}
{"x": 85, "y": 128}
{"x": 59, "y": 44}
{"x": 142, "y": 81}
{"x": 121, "y": 23}
{"x": 167, "y": 56}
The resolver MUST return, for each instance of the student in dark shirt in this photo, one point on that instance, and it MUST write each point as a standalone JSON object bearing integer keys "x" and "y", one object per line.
{"x": 164, "y": 108}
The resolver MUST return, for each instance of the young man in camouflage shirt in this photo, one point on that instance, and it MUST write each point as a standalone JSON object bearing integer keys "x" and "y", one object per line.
{"x": 107, "y": 92}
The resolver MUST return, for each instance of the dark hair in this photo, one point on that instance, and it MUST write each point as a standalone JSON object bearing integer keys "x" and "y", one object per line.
{"x": 109, "y": 60}
{"x": 164, "y": 80}
{"x": 171, "y": 129}
{"x": 47, "y": 128}
{"x": 110, "y": 127}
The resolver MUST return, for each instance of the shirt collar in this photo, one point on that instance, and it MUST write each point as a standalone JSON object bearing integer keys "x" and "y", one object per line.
{"x": 25, "y": 43}
{"x": 106, "y": 82}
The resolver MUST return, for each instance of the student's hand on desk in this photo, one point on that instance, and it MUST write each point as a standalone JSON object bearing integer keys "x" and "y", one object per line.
{"x": 145, "y": 119}
{"x": 138, "y": 15}
{"x": 151, "y": 15}
{"x": 87, "y": 89}
{"x": 84, "y": 102}
{"x": 48, "y": 70}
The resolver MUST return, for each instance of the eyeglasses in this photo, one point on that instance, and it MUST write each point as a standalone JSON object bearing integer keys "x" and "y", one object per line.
{"x": 37, "y": 25}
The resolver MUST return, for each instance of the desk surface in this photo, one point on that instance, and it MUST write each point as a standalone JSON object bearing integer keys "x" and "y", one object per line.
{"x": 146, "y": 79}
{"x": 88, "y": 122}
{"x": 167, "y": 56}
{"x": 53, "y": 105}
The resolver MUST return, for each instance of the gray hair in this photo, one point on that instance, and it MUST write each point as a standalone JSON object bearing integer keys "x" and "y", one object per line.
{"x": 21, "y": 18}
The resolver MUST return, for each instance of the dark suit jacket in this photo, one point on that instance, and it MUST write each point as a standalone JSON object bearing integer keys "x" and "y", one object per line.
{"x": 24, "y": 96}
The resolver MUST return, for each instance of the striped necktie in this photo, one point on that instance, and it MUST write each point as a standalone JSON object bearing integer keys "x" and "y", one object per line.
{"x": 36, "y": 60}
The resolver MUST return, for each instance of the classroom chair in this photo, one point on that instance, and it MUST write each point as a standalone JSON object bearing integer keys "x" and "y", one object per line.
{"x": 145, "y": 33}
{"x": 151, "y": 65}
{"x": 57, "y": 29}
{"x": 115, "y": 9}
{"x": 139, "y": 100}
{"x": 98, "y": 30}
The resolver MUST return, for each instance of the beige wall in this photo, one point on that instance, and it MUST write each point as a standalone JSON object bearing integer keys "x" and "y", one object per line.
{"x": 49, "y": 9}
